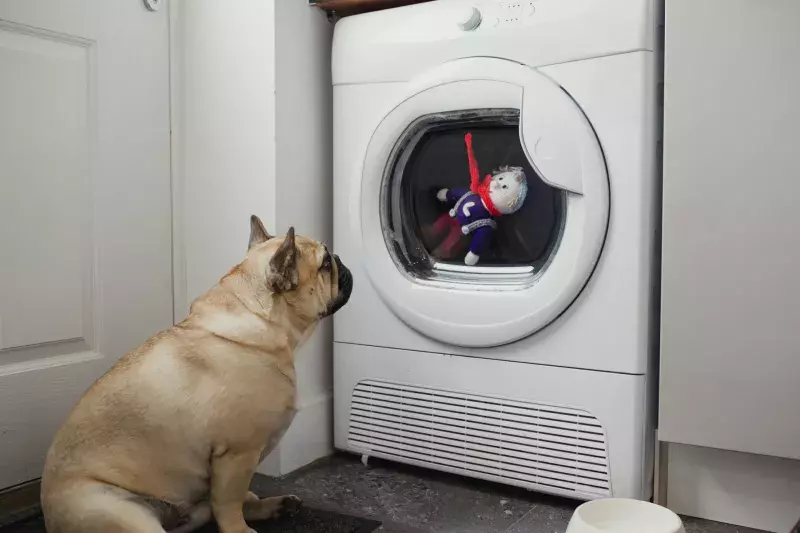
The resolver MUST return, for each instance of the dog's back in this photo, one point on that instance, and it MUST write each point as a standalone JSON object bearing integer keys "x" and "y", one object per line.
{"x": 144, "y": 432}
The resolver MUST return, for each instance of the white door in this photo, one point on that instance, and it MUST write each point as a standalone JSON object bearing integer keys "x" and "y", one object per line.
{"x": 544, "y": 253}
{"x": 85, "y": 206}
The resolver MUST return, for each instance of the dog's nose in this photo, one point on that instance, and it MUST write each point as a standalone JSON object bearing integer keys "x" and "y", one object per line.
{"x": 345, "y": 276}
{"x": 339, "y": 265}
{"x": 345, "y": 281}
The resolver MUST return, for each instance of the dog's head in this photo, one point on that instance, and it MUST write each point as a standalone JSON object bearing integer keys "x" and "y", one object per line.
{"x": 312, "y": 281}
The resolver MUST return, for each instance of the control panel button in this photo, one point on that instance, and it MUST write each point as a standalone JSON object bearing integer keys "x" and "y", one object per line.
{"x": 469, "y": 18}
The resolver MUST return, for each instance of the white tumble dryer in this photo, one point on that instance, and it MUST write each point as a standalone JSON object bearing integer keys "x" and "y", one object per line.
{"x": 535, "y": 366}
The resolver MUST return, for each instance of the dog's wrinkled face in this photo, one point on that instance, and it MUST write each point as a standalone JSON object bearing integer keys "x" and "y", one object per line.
{"x": 313, "y": 282}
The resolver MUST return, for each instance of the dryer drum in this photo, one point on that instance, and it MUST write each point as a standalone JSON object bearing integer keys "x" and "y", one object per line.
{"x": 431, "y": 155}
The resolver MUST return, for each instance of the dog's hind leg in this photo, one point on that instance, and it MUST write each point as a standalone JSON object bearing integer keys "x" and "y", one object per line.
{"x": 199, "y": 516}
{"x": 256, "y": 508}
{"x": 231, "y": 473}
{"x": 97, "y": 508}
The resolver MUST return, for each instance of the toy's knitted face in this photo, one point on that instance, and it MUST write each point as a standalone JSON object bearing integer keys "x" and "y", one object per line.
{"x": 508, "y": 189}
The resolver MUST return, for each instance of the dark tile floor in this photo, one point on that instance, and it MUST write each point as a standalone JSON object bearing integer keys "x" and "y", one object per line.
{"x": 308, "y": 520}
{"x": 408, "y": 500}
{"x": 412, "y": 500}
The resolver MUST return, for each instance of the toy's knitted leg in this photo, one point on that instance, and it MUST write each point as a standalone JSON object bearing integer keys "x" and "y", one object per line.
{"x": 453, "y": 244}
{"x": 433, "y": 234}
{"x": 442, "y": 225}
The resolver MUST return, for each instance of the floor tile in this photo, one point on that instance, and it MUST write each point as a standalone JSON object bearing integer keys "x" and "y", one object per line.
{"x": 697, "y": 525}
{"x": 416, "y": 500}
{"x": 398, "y": 528}
{"x": 546, "y": 517}
{"x": 405, "y": 495}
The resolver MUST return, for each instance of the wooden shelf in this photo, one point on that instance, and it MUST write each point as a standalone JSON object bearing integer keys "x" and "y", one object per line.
{"x": 352, "y": 7}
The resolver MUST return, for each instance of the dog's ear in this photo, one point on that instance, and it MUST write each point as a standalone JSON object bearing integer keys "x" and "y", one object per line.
{"x": 258, "y": 233}
{"x": 283, "y": 275}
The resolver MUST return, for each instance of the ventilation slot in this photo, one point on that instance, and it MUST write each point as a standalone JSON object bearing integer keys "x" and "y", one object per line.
{"x": 540, "y": 447}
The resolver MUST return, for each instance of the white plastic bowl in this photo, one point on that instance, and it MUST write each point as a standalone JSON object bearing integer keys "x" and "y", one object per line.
{"x": 617, "y": 515}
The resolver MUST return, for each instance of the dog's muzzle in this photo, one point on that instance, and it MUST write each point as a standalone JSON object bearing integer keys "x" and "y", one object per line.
{"x": 345, "y": 287}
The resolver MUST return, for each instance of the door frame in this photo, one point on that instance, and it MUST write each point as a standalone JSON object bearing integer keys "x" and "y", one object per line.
{"x": 180, "y": 299}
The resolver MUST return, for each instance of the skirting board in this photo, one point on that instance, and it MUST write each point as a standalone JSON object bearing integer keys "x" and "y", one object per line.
{"x": 756, "y": 491}
{"x": 310, "y": 437}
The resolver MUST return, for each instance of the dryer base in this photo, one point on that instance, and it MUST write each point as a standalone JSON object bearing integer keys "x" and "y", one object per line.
{"x": 577, "y": 433}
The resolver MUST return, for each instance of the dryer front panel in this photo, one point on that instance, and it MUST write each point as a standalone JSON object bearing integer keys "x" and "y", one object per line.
{"x": 421, "y": 207}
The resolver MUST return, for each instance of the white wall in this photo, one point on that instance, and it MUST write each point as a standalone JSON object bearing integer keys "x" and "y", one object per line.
{"x": 223, "y": 134}
{"x": 252, "y": 134}
{"x": 304, "y": 199}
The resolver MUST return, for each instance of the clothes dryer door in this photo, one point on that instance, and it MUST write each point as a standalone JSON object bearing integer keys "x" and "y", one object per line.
{"x": 531, "y": 264}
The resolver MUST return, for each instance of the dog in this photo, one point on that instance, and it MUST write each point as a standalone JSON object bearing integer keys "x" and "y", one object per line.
{"x": 172, "y": 434}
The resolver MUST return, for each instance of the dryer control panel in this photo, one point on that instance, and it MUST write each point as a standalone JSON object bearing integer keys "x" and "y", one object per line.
{"x": 508, "y": 13}
{"x": 396, "y": 44}
{"x": 499, "y": 13}
{"x": 505, "y": 13}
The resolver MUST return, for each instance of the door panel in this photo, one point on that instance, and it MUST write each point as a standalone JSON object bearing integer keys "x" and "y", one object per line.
{"x": 85, "y": 215}
{"x": 46, "y": 187}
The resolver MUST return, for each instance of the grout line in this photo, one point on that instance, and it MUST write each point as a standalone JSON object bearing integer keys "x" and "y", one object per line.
{"x": 521, "y": 518}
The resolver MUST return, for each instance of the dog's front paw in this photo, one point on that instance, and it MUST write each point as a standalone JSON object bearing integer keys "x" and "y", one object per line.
{"x": 243, "y": 529}
{"x": 290, "y": 506}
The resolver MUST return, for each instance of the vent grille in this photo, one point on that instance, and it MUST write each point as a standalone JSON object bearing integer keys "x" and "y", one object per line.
{"x": 541, "y": 447}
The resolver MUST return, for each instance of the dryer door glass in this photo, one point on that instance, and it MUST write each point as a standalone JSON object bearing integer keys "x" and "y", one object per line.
{"x": 428, "y": 240}
{"x": 536, "y": 260}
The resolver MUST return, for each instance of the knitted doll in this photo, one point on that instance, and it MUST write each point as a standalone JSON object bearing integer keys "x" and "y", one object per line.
{"x": 473, "y": 211}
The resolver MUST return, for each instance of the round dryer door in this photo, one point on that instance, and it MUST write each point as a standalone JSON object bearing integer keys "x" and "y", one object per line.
{"x": 534, "y": 262}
